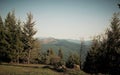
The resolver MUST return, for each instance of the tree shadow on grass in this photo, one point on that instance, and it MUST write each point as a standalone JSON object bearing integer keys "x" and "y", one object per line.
{"x": 48, "y": 67}
{"x": 21, "y": 65}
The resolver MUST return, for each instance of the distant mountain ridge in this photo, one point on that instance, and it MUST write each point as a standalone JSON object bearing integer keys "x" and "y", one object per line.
{"x": 47, "y": 40}
{"x": 67, "y": 45}
{"x": 51, "y": 40}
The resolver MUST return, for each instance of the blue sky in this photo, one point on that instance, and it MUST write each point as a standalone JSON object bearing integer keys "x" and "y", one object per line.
{"x": 64, "y": 19}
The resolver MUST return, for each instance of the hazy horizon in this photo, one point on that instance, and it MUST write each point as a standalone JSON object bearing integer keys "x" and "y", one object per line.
{"x": 64, "y": 19}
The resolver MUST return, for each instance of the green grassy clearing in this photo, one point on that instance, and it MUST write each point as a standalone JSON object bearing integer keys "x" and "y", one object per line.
{"x": 33, "y": 69}
{"x": 25, "y": 69}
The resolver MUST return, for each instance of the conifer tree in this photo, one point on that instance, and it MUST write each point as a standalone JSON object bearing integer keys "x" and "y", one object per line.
{"x": 113, "y": 45}
{"x": 29, "y": 32}
{"x": 104, "y": 55}
{"x": 73, "y": 58}
{"x": 91, "y": 65}
{"x": 50, "y": 52}
{"x": 60, "y": 53}
{"x": 10, "y": 25}
{"x": 3, "y": 43}
{"x": 35, "y": 53}
{"x": 18, "y": 41}
{"x": 82, "y": 47}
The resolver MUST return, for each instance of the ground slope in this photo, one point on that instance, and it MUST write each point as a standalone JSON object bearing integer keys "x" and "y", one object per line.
{"x": 33, "y": 69}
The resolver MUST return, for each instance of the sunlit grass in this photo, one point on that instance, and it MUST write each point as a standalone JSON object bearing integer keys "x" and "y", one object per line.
{"x": 34, "y": 69}
{"x": 25, "y": 70}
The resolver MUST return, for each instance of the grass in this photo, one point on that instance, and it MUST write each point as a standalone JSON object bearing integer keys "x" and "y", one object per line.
{"x": 33, "y": 69}
{"x": 74, "y": 72}
{"x": 21, "y": 69}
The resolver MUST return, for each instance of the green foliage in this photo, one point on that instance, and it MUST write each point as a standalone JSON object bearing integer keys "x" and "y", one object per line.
{"x": 29, "y": 32}
{"x": 50, "y": 58}
{"x": 66, "y": 47}
{"x": 50, "y": 52}
{"x": 73, "y": 59}
{"x": 82, "y": 54}
{"x": 113, "y": 46}
{"x": 60, "y": 53}
{"x": 91, "y": 64}
{"x": 16, "y": 39}
{"x": 3, "y": 43}
{"x": 42, "y": 57}
{"x": 10, "y": 25}
{"x": 105, "y": 52}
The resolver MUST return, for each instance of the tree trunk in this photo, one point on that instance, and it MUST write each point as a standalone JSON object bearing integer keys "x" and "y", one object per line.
{"x": 29, "y": 56}
{"x": 18, "y": 58}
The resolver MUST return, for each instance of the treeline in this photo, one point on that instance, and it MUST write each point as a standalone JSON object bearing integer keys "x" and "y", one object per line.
{"x": 17, "y": 44}
{"x": 49, "y": 57}
{"x": 104, "y": 54}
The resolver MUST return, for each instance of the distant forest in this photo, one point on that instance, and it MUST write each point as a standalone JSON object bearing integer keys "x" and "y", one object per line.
{"x": 18, "y": 45}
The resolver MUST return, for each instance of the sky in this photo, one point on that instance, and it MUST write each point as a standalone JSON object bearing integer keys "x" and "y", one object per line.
{"x": 64, "y": 19}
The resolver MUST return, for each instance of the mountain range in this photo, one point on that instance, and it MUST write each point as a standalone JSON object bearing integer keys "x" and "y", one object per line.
{"x": 67, "y": 45}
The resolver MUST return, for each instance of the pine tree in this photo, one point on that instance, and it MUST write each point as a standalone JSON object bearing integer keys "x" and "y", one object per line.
{"x": 29, "y": 32}
{"x": 82, "y": 47}
{"x": 3, "y": 42}
{"x": 50, "y": 52}
{"x": 73, "y": 58}
{"x": 104, "y": 55}
{"x": 18, "y": 42}
{"x": 35, "y": 51}
{"x": 1, "y": 37}
{"x": 60, "y": 53}
{"x": 113, "y": 45}
{"x": 13, "y": 37}
{"x": 50, "y": 55}
{"x": 10, "y": 25}
{"x": 91, "y": 64}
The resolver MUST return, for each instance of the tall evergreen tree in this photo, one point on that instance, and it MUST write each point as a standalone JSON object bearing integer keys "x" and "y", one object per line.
{"x": 29, "y": 33}
{"x": 3, "y": 43}
{"x": 82, "y": 47}
{"x": 10, "y": 24}
{"x": 91, "y": 64}
{"x": 113, "y": 45}
{"x": 104, "y": 55}
{"x": 35, "y": 53}
{"x": 50, "y": 52}
{"x": 18, "y": 41}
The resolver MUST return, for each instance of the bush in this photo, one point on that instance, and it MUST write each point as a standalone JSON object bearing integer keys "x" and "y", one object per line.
{"x": 72, "y": 59}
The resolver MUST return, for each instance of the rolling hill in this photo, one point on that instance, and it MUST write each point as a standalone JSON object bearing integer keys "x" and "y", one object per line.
{"x": 67, "y": 45}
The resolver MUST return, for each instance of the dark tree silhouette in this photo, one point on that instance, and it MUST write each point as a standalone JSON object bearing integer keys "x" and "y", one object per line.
{"x": 104, "y": 55}
{"x": 16, "y": 39}
{"x": 118, "y": 5}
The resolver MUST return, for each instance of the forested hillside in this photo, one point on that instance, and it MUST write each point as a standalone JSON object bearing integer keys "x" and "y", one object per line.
{"x": 67, "y": 45}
